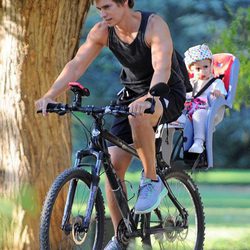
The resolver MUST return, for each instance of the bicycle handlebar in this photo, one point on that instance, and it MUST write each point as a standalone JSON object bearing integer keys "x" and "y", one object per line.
{"x": 79, "y": 92}
{"x": 62, "y": 109}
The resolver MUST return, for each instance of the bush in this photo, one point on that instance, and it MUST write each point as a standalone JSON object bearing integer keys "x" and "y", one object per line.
{"x": 232, "y": 141}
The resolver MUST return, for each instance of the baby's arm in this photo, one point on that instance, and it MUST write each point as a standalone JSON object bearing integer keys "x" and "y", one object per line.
{"x": 216, "y": 93}
{"x": 218, "y": 88}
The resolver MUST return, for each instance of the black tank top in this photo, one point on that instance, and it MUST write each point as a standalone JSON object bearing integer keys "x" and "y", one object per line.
{"x": 137, "y": 70}
{"x": 135, "y": 58}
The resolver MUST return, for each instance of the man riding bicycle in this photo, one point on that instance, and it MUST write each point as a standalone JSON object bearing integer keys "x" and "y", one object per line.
{"x": 142, "y": 43}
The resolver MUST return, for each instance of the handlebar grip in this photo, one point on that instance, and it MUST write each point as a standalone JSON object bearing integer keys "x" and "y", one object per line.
{"x": 54, "y": 108}
{"x": 150, "y": 110}
{"x": 119, "y": 110}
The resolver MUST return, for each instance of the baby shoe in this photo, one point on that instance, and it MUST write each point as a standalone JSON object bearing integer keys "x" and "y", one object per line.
{"x": 197, "y": 147}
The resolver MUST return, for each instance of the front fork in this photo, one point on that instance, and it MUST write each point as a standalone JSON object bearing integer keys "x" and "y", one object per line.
{"x": 93, "y": 190}
{"x": 114, "y": 183}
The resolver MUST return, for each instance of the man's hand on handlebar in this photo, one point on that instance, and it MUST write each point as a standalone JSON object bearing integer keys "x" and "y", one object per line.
{"x": 41, "y": 104}
{"x": 139, "y": 106}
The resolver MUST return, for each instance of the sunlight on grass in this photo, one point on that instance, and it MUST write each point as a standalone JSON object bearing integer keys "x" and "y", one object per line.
{"x": 236, "y": 217}
{"x": 223, "y": 177}
{"x": 227, "y": 238}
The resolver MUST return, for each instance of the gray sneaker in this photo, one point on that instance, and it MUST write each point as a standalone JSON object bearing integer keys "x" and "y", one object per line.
{"x": 150, "y": 195}
{"x": 113, "y": 244}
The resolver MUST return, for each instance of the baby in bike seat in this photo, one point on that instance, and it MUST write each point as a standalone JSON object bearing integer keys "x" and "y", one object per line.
{"x": 206, "y": 87}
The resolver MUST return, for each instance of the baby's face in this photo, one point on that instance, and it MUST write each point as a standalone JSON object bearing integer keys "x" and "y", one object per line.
{"x": 202, "y": 70}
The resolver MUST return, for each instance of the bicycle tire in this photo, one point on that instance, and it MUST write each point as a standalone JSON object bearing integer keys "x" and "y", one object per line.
{"x": 47, "y": 221}
{"x": 187, "y": 193}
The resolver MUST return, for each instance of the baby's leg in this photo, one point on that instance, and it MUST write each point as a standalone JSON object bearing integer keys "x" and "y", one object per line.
{"x": 199, "y": 124}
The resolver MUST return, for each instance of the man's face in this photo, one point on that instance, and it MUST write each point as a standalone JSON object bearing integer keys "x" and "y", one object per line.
{"x": 202, "y": 70}
{"x": 110, "y": 11}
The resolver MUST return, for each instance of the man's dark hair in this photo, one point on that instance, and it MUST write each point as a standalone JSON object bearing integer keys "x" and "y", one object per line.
{"x": 130, "y": 2}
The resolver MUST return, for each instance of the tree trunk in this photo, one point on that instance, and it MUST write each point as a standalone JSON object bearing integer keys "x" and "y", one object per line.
{"x": 37, "y": 38}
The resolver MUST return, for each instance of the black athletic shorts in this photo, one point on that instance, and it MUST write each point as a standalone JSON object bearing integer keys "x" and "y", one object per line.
{"x": 172, "y": 108}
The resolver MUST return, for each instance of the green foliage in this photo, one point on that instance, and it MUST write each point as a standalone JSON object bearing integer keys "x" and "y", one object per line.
{"x": 235, "y": 39}
{"x": 232, "y": 141}
{"x": 235, "y": 127}
{"x": 6, "y": 211}
{"x": 192, "y": 22}
{"x": 6, "y": 208}
{"x": 25, "y": 199}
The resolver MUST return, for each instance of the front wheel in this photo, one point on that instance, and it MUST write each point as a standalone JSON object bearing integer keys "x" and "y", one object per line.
{"x": 52, "y": 236}
{"x": 179, "y": 233}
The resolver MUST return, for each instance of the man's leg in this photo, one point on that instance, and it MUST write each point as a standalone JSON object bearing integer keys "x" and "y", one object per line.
{"x": 144, "y": 138}
{"x": 120, "y": 161}
{"x": 152, "y": 190}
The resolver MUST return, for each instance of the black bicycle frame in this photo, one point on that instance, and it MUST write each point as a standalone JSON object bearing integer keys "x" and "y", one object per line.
{"x": 98, "y": 148}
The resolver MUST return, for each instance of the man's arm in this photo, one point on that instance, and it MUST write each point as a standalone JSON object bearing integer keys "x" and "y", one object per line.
{"x": 96, "y": 40}
{"x": 159, "y": 39}
{"x": 72, "y": 71}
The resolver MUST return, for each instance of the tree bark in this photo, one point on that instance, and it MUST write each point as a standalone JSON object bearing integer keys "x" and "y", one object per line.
{"x": 37, "y": 38}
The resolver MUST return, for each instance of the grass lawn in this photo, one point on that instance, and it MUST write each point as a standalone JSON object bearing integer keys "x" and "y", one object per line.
{"x": 241, "y": 177}
{"x": 227, "y": 211}
{"x": 227, "y": 238}
{"x": 226, "y": 199}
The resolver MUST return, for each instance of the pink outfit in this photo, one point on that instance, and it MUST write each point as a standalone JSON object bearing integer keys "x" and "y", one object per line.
{"x": 199, "y": 110}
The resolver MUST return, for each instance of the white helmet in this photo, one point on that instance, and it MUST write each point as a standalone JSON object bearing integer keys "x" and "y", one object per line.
{"x": 197, "y": 53}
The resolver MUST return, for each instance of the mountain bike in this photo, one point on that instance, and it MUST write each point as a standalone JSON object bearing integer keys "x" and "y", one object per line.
{"x": 73, "y": 213}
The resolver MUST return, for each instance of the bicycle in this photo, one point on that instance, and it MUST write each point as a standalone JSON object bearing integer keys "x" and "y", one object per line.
{"x": 73, "y": 213}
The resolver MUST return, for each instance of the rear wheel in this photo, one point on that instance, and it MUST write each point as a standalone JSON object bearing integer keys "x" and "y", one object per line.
{"x": 179, "y": 233}
{"x": 72, "y": 236}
